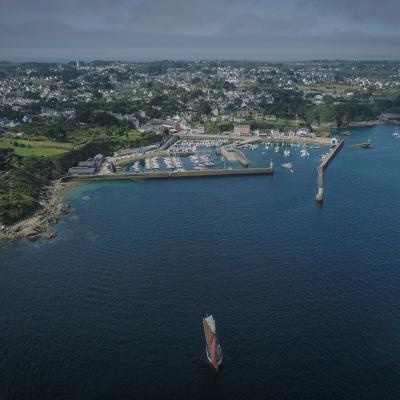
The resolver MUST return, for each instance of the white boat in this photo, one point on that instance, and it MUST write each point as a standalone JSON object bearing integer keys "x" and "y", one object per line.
{"x": 304, "y": 153}
{"x": 287, "y": 166}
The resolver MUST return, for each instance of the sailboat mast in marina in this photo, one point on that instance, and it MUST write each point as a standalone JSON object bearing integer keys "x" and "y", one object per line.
{"x": 213, "y": 348}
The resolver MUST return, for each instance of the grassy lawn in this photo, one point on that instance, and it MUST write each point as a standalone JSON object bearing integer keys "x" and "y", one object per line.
{"x": 37, "y": 149}
{"x": 133, "y": 134}
{"x": 333, "y": 88}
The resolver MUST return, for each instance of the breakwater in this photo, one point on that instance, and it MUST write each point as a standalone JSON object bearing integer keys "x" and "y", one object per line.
{"x": 168, "y": 175}
{"x": 320, "y": 171}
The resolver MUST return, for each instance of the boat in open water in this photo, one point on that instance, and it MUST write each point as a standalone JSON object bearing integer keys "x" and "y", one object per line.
{"x": 367, "y": 145}
{"x": 213, "y": 348}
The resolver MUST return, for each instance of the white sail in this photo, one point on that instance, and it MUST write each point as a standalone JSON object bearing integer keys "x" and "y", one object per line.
{"x": 211, "y": 323}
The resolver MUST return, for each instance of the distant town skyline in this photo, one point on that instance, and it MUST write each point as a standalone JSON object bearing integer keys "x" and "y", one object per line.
{"x": 135, "y": 30}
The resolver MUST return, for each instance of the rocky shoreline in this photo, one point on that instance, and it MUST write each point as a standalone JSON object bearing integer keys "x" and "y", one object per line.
{"x": 363, "y": 124}
{"x": 36, "y": 227}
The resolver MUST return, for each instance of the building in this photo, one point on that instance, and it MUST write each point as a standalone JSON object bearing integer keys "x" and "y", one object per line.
{"x": 98, "y": 160}
{"x": 87, "y": 164}
{"x": 199, "y": 129}
{"x": 304, "y": 132}
{"x": 122, "y": 153}
{"x": 264, "y": 132}
{"x": 242, "y": 130}
{"x": 69, "y": 113}
{"x": 81, "y": 171}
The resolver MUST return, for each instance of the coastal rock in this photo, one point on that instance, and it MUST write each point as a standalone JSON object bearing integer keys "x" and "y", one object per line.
{"x": 19, "y": 228}
{"x": 63, "y": 208}
{"x": 50, "y": 236}
{"x": 33, "y": 236}
{"x": 53, "y": 220}
{"x": 38, "y": 229}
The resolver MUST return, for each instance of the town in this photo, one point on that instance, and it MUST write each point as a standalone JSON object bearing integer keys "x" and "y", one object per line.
{"x": 93, "y": 118}
{"x": 193, "y": 97}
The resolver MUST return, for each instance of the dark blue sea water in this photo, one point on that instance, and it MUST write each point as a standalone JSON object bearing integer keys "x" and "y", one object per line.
{"x": 306, "y": 297}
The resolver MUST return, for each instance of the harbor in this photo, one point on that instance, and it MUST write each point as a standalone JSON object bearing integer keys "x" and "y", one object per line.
{"x": 190, "y": 156}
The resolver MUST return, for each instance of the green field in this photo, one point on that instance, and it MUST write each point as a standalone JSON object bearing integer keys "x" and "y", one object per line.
{"x": 332, "y": 88}
{"x": 133, "y": 134}
{"x": 27, "y": 148}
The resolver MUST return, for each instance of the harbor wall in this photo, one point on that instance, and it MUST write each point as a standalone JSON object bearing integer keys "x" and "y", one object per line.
{"x": 331, "y": 155}
{"x": 320, "y": 171}
{"x": 169, "y": 175}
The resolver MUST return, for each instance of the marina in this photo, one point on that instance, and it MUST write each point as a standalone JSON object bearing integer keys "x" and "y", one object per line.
{"x": 220, "y": 156}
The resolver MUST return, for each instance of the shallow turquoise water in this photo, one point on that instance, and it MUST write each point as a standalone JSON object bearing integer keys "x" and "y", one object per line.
{"x": 306, "y": 297}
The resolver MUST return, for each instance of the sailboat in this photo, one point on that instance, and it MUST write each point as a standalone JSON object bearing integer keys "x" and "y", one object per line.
{"x": 213, "y": 348}
{"x": 286, "y": 152}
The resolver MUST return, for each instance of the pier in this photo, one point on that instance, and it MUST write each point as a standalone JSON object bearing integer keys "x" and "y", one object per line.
{"x": 231, "y": 153}
{"x": 171, "y": 175}
{"x": 320, "y": 171}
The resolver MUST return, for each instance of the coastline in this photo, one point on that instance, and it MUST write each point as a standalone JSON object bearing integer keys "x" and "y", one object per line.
{"x": 36, "y": 227}
{"x": 364, "y": 124}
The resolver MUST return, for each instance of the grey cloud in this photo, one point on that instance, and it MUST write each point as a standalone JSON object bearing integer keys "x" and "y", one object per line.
{"x": 267, "y": 25}
{"x": 358, "y": 11}
{"x": 153, "y": 29}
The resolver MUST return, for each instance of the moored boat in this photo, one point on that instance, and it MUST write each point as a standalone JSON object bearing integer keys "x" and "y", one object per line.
{"x": 213, "y": 348}
{"x": 367, "y": 145}
{"x": 287, "y": 165}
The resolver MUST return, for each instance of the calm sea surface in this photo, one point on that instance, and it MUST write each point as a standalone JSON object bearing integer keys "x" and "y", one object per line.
{"x": 306, "y": 297}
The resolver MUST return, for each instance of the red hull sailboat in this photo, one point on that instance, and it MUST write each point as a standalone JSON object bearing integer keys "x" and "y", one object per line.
{"x": 213, "y": 348}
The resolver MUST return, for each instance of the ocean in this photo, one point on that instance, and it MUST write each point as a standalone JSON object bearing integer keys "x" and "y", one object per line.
{"x": 306, "y": 297}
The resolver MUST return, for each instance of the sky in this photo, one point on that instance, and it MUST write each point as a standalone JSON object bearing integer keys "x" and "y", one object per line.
{"x": 141, "y": 30}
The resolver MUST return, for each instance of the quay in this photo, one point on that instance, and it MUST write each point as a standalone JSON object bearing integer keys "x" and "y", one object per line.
{"x": 170, "y": 175}
{"x": 234, "y": 154}
{"x": 320, "y": 141}
{"x": 332, "y": 154}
